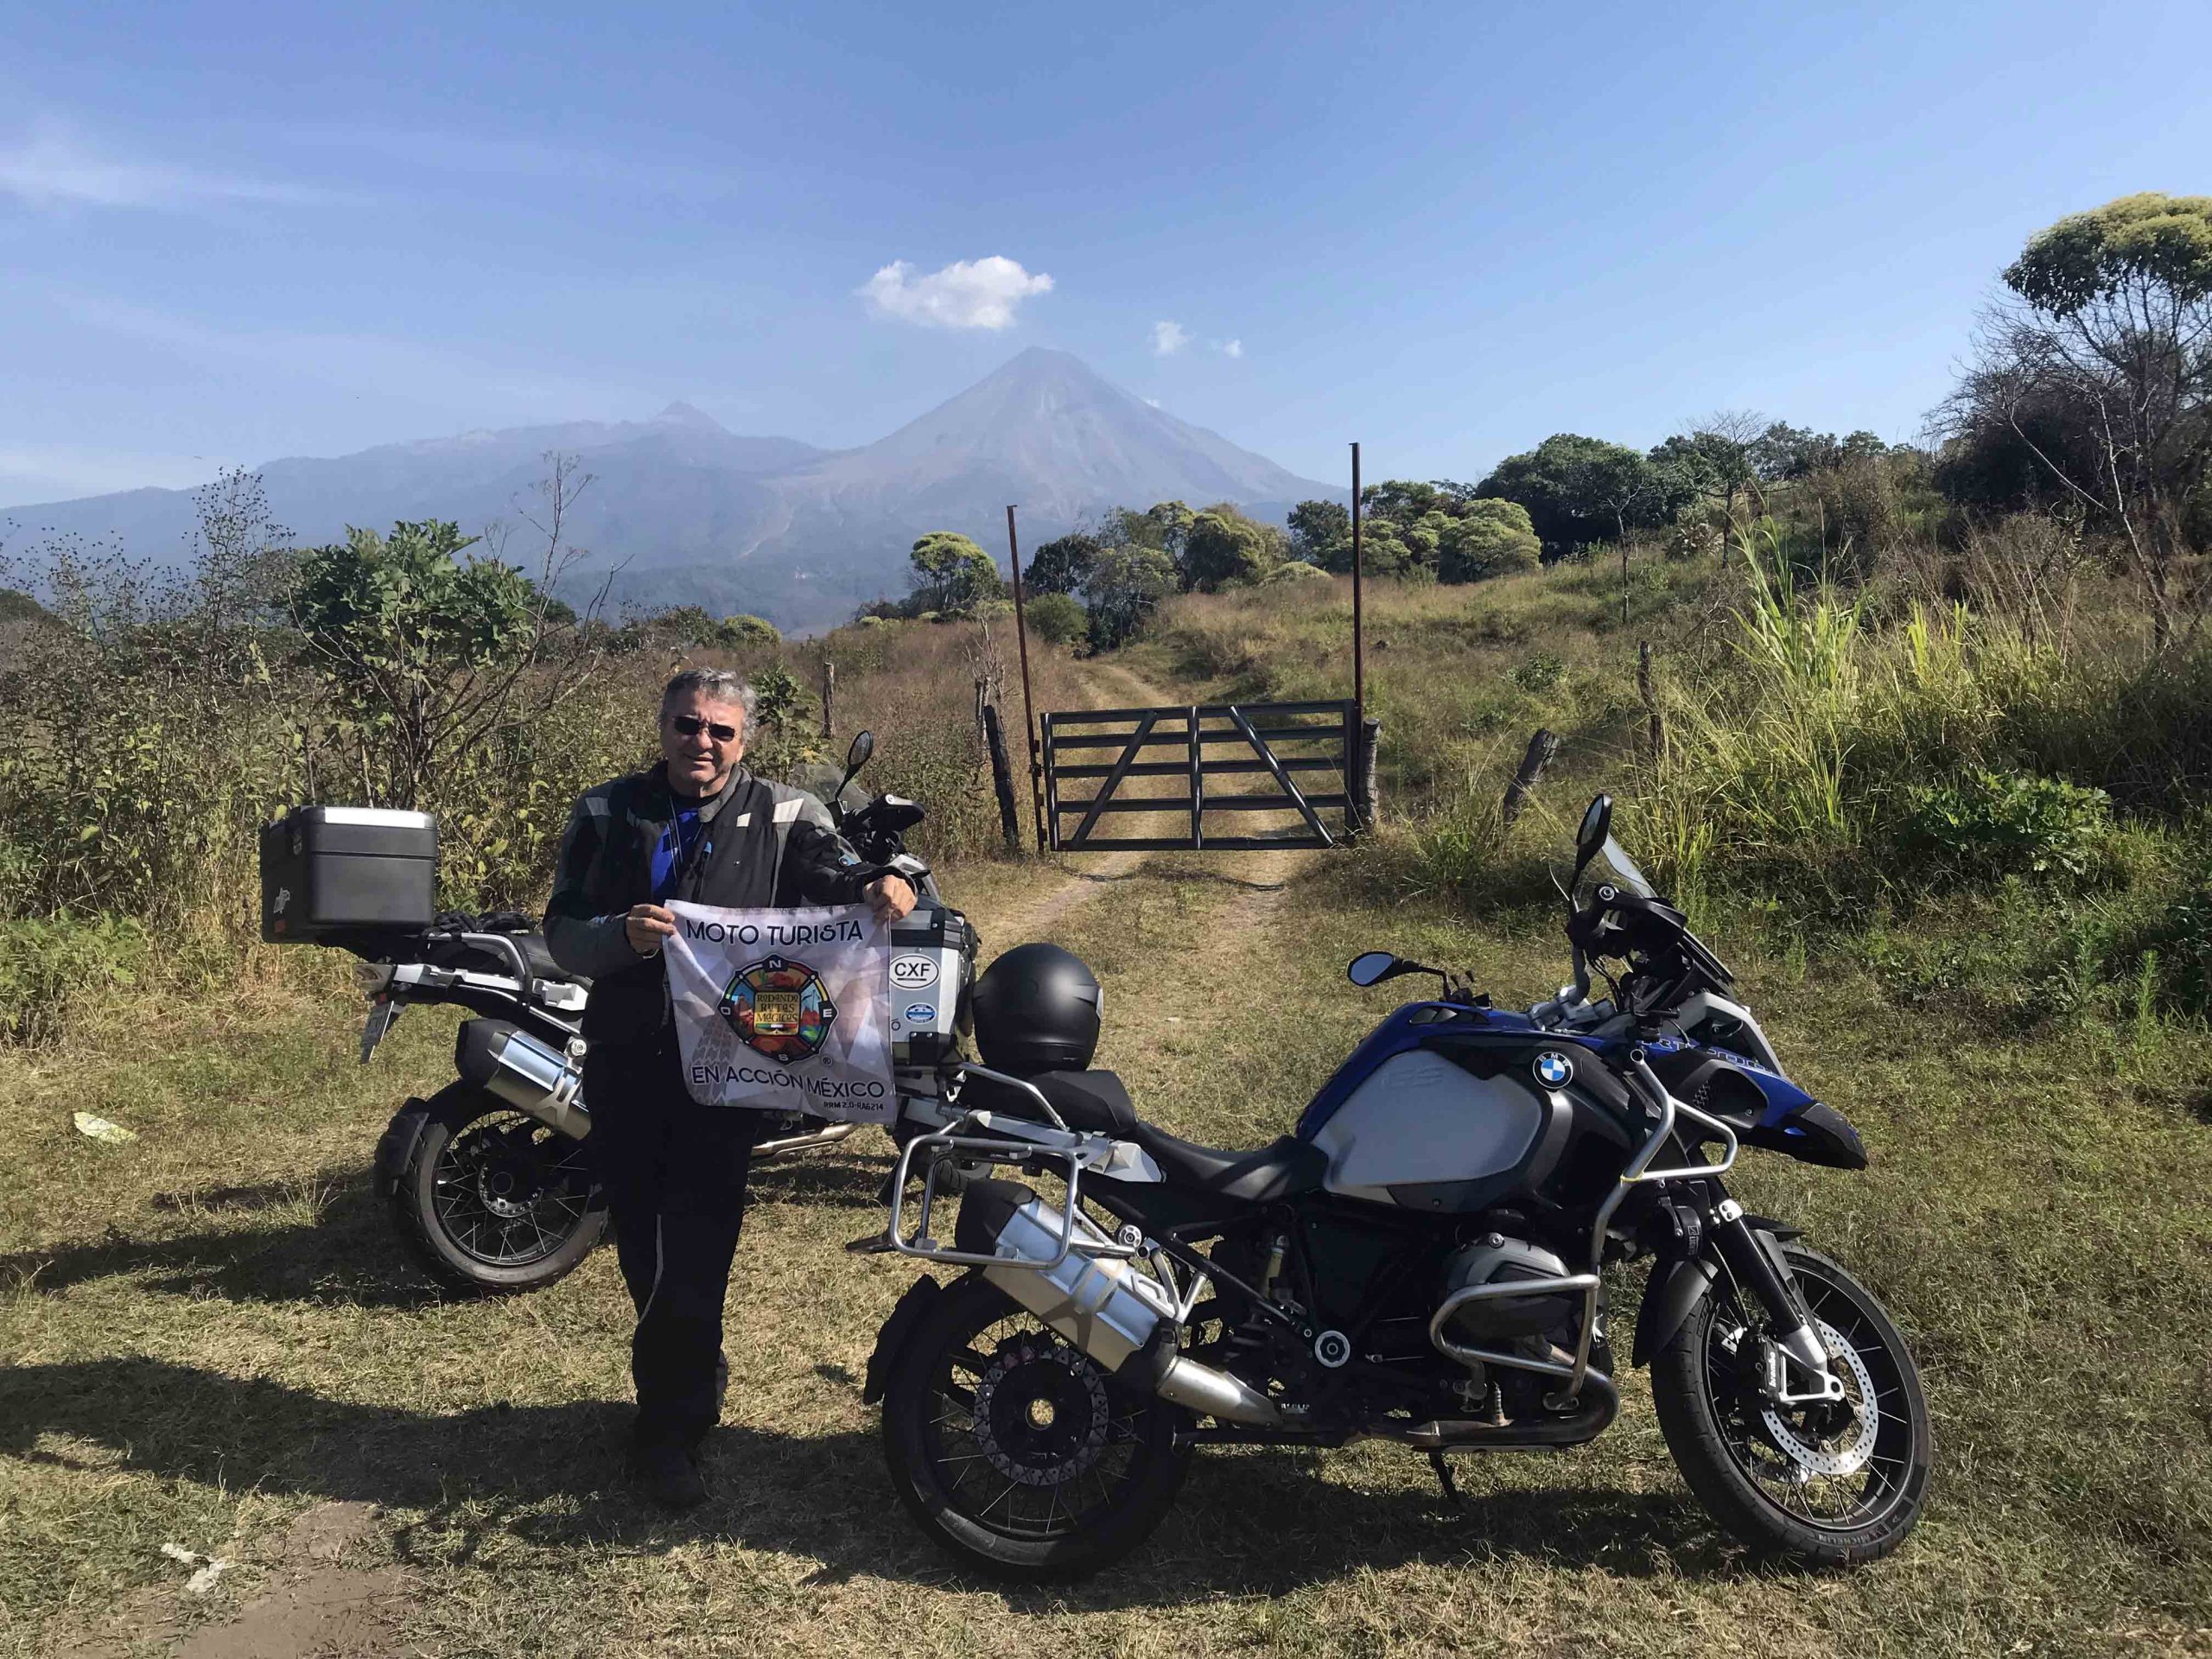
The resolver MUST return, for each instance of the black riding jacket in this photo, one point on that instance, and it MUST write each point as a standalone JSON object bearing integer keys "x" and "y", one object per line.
{"x": 763, "y": 844}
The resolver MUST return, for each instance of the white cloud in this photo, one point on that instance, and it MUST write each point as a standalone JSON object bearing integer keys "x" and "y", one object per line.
{"x": 966, "y": 293}
{"x": 1231, "y": 348}
{"x": 1169, "y": 338}
{"x": 1153, "y": 402}
{"x": 49, "y": 169}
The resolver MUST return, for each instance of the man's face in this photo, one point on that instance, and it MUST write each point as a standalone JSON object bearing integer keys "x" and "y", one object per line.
{"x": 699, "y": 761}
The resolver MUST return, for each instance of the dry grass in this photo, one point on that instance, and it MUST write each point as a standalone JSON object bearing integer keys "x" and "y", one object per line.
{"x": 211, "y": 1329}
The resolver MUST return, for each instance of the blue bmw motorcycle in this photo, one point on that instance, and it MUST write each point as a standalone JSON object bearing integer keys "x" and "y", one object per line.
{"x": 1423, "y": 1261}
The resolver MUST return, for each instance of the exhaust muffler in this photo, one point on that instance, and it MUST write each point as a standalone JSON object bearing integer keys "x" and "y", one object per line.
{"x": 501, "y": 1058}
{"x": 1101, "y": 1304}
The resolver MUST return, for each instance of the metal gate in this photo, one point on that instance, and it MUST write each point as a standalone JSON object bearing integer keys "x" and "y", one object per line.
{"x": 1255, "y": 742}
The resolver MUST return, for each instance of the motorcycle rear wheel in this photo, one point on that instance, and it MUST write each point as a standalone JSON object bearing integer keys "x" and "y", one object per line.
{"x": 1017, "y": 1453}
{"x": 1821, "y": 1485}
{"x": 488, "y": 1201}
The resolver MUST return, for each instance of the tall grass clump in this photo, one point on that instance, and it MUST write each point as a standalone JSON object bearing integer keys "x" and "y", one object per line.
{"x": 1836, "y": 763}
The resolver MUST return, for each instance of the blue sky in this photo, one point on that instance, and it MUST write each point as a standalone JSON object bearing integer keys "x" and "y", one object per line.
{"x": 230, "y": 232}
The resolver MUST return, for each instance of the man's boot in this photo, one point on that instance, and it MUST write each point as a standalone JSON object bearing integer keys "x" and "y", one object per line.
{"x": 667, "y": 1474}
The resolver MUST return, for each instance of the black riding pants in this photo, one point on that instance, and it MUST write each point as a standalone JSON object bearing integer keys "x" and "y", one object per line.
{"x": 674, "y": 1175}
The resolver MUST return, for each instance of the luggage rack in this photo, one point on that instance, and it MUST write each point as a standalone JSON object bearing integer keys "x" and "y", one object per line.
{"x": 1076, "y": 1230}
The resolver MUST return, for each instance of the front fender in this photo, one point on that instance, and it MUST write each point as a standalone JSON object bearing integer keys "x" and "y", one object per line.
{"x": 1671, "y": 1295}
{"x": 1676, "y": 1286}
{"x": 889, "y": 1339}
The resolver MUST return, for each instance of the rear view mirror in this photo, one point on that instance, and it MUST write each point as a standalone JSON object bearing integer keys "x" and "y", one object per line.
{"x": 856, "y": 758}
{"x": 1597, "y": 824}
{"x": 1372, "y": 967}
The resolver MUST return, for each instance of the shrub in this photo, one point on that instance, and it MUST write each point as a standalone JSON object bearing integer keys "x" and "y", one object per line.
{"x": 1056, "y": 618}
{"x": 1987, "y": 825}
{"x": 49, "y": 968}
{"x": 1541, "y": 671}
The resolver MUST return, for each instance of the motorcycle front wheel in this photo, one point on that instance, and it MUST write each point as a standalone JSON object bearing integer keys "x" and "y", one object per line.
{"x": 489, "y": 1202}
{"x": 1825, "y": 1484}
{"x": 1016, "y": 1452}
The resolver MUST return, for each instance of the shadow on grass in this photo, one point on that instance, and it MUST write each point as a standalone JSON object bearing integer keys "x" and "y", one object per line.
{"x": 549, "y": 1476}
{"x": 349, "y": 1253}
{"x": 843, "y": 1180}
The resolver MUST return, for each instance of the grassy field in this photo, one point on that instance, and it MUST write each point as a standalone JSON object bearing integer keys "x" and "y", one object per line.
{"x": 210, "y": 1340}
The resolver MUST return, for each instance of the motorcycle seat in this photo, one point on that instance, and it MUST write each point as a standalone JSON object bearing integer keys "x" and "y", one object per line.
{"x": 487, "y": 959}
{"x": 1098, "y": 1102}
{"x": 1095, "y": 1102}
{"x": 1284, "y": 1168}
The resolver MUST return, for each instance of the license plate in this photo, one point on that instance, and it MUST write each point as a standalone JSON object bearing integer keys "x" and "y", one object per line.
{"x": 382, "y": 1013}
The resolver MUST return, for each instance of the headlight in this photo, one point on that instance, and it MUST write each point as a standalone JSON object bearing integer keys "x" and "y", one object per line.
{"x": 370, "y": 977}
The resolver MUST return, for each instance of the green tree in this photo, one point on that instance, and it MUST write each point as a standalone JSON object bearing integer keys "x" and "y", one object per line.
{"x": 1126, "y": 584}
{"x": 1224, "y": 548}
{"x": 736, "y": 632}
{"x": 951, "y": 574}
{"x": 1579, "y": 490}
{"x": 1056, "y": 618}
{"x": 1494, "y": 538}
{"x": 1382, "y": 552}
{"x": 1062, "y": 566}
{"x": 2110, "y": 334}
{"x": 419, "y": 646}
{"x": 1402, "y": 500}
{"x": 1316, "y": 527}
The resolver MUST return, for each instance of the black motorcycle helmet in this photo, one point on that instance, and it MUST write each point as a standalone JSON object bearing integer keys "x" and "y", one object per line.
{"x": 1037, "y": 1009}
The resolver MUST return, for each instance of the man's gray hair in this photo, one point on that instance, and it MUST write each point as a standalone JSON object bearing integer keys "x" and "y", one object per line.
{"x": 712, "y": 686}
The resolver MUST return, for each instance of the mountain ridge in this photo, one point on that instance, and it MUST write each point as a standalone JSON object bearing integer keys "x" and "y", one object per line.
{"x": 681, "y": 511}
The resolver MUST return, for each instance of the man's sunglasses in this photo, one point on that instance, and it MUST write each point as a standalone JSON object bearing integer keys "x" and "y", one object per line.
{"x": 691, "y": 725}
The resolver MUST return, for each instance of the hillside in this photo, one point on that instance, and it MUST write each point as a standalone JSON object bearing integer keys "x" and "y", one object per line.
{"x": 681, "y": 511}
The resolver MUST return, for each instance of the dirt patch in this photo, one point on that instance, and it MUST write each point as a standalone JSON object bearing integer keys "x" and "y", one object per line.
{"x": 311, "y": 1607}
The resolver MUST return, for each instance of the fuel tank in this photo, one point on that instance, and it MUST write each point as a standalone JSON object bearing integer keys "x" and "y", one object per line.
{"x": 1420, "y": 1119}
{"x": 1445, "y": 1108}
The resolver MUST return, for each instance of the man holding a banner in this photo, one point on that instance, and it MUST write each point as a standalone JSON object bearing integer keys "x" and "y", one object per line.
{"x": 737, "y": 951}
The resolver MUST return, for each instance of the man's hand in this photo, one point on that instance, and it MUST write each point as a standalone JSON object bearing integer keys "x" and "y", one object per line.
{"x": 646, "y": 925}
{"x": 888, "y": 896}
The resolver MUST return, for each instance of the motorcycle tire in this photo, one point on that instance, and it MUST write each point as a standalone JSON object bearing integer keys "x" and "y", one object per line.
{"x": 1857, "y": 1487}
{"x": 488, "y": 1201}
{"x": 1018, "y": 1454}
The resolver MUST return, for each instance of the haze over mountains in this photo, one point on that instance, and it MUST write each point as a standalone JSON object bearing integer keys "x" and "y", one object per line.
{"x": 695, "y": 514}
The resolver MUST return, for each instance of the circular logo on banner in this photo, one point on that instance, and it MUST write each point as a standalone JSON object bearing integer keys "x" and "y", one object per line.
{"x": 1554, "y": 1069}
{"x": 912, "y": 973}
{"x": 779, "y": 1008}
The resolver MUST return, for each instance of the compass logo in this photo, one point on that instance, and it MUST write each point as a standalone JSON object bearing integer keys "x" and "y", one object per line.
{"x": 779, "y": 1008}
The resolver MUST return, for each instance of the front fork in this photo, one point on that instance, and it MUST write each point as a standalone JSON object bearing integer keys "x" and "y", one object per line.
{"x": 1762, "y": 1278}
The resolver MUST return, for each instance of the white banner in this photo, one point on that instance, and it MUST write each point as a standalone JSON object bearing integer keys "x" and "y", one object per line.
{"x": 787, "y": 1010}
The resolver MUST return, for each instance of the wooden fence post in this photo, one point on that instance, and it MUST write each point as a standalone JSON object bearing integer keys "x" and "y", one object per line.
{"x": 1543, "y": 749}
{"x": 829, "y": 697}
{"x": 1369, "y": 792}
{"x": 1002, "y": 778}
{"x": 1650, "y": 694}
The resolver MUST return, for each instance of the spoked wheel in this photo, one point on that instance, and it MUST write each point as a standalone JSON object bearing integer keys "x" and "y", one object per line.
{"x": 1015, "y": 1451}
{"x": 491, "y": 1200}
{"x": 1829, "y": 1483}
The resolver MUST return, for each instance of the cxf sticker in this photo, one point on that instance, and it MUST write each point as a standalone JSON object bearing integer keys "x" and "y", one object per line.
{"x": 912, "y": 973}
{"x": 1554, "y": 1069}
{"x": 923, "y": 1013}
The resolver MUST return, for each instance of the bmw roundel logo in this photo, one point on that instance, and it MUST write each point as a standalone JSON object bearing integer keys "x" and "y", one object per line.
{"x": 1553, "y": 1069}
